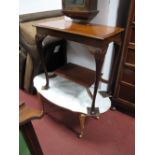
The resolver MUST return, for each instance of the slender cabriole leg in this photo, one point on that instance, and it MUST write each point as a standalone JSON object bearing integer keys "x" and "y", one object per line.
{"x": 115, "y": 63}
{"x": 82, "y": 118}
{"x": 39, "y": 40}
{"x": 99, "y": 59}
{"x": 114, "y": 66}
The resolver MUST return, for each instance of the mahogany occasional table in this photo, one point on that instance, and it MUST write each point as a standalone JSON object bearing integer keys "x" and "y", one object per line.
{"x": 96, "y": 38}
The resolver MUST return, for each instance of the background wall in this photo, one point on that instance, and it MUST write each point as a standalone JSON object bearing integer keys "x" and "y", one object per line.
{"x": 31, "y": 6}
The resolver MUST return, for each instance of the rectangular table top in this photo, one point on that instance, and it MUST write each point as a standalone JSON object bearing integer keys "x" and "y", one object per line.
{"x": 96, "y": 31}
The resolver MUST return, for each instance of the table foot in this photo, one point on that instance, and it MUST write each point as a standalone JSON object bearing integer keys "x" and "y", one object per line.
{"x": 45, "y": 87}
{"x": 92, "y": 112}
{"x": 98, "y": 117}
{"x": 113, "y": 108}
{"x": 80, "y": 135}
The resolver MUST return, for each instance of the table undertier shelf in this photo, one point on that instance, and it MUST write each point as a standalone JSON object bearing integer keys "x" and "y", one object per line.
{"x": 69, "y": 95}
{"x": 78, "y": 74}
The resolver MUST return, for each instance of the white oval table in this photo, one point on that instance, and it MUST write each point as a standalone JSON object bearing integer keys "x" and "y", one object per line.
{"x": 71, "y": 96}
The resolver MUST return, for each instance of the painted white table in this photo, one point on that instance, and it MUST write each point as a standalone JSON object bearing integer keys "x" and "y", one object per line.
{"x": 69, "y": 95}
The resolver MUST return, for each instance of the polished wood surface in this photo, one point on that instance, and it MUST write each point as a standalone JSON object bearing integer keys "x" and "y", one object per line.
{"x": 71, "y": 71}
{"x": 100, "y": 32}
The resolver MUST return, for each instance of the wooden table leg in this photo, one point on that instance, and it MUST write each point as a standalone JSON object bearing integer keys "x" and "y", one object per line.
{"x": 39, "y": 40}
{"x": 115, "y": 63}
{"x": 82, "y": 118}
{"x": 99, "y": 59}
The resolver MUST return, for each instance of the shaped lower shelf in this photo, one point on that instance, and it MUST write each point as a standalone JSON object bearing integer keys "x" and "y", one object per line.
{"x": 76, "y": 73}
{"x": 69, "y": 95}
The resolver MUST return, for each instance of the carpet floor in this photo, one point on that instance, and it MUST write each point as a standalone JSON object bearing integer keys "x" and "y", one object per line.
{"x": 112, "y": 134}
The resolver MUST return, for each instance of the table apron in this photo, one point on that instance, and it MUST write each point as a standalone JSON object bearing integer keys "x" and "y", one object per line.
{"x": 95, "y": 42}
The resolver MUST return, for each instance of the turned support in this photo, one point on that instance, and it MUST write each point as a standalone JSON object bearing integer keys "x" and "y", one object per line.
{"x": 82, "y": 118}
